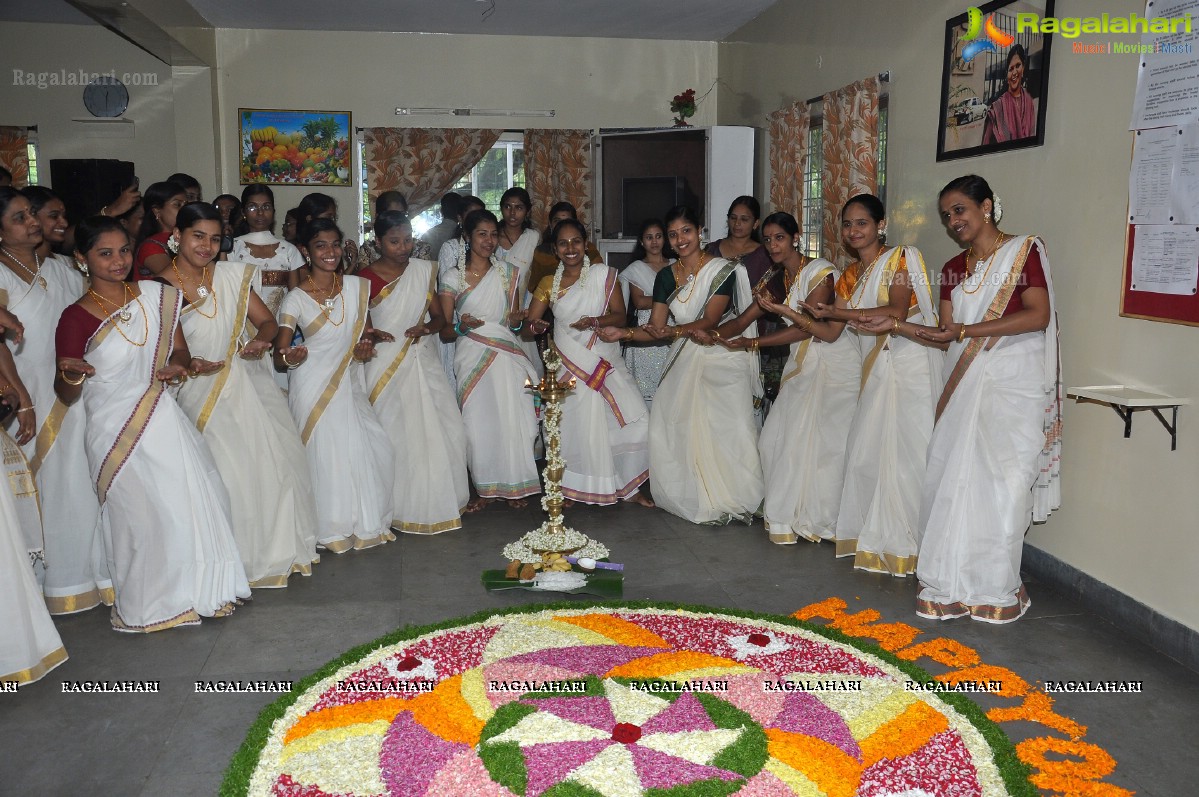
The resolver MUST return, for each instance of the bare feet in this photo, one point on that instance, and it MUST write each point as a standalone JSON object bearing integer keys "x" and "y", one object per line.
{"x": 567, "y": 503}
{"x": 518, "y": 503}
{"x": 477, "y": 503}
{"x": 641, "y": 498}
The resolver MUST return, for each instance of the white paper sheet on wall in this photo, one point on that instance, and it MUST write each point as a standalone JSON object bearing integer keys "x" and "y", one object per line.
{"x": 1166, "y": 259}
{"x": 1154, "y": 155}
{"x": 1184, "y": 187}
{"x": 1168, "y": 79}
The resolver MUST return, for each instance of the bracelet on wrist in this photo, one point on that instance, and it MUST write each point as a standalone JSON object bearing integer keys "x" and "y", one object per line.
{"x": 25, "y": 409}
{"x": 962, "y": 334}
{"x": 518, "y": 326}
{"x": 628, "y": 333}
{"x": 72, "y": 382}
{"x": 458, "y": 329}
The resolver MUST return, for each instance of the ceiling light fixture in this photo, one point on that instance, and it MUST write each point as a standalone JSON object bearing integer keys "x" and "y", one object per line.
{"x": 474, "y": 112}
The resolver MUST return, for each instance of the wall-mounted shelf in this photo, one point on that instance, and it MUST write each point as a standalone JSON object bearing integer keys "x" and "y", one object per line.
{"x": 1126, "y": 400}
{"x": 105, "y": 127}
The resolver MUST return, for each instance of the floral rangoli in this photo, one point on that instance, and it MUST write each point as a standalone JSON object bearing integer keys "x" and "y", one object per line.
{"x": 622, "y": 700}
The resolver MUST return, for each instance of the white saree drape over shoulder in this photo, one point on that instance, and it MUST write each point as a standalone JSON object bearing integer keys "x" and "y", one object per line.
{"x": 349, "y": 456}
{"x": 995, "y": 453}
{"x": 245, "y": 421}
{"x": 804, "y": 437}
{"x": 270, "y": 280}
{"x": 29, "y": 646}
{"x": 492, "y": 370}
{"x": 416, "y": 406}
{"x": 878, "y": 522}
{"x": 703, "y": 439}
{"x": 521, "y": 256}
{"x": 645, "y": 362}
{"x": 164, "y": 509}
{"x": 605, "y": 424}
{"x": 75, "y": 576}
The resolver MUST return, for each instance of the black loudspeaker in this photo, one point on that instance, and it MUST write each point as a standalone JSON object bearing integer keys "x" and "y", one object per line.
{"x": 88, "y": 184}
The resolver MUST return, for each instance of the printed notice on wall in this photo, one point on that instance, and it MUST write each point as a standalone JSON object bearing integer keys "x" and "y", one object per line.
{"x": 1166, "y": 259}
{"x": 1168, "y": 72}
{"x": 1153, "y": 157}
{"x": 1184, "y": 187}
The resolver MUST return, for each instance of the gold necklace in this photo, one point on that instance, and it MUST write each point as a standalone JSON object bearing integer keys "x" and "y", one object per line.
{"x": 124, "y": 314}
{"x": 326, "y": 306}
{"x": 202, "y": 292}
{"x": 34, "y": 276}
{"x": 990, "y": 261}
{"x": 690, "y": 278}
{"x": 866, "y": 275}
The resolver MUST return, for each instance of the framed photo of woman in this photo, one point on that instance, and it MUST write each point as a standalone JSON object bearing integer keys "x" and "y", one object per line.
{"x": 995, "y": 81}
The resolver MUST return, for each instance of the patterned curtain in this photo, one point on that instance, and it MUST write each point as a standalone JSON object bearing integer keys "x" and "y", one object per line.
{"x": 422, "y": 163}
{"x": 557, "y": 168}
{"x": 850, "y": 153}
{"x": 789, "y": 158}
{"x": 14, "y": 154}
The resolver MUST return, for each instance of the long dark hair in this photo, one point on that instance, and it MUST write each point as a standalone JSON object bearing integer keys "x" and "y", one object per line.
{"x": 754, "y": 207}
{"x": 525, "y": 199}
{"x": 388, "y": 220}
{"x": 38, "y": 196}
{"x": 154, "y": 198}
{"x": 784, "y": 220}
{"x": 684, "y": 212}
{"x": 89, "y": 230}
{"x": 870, "y": 203}
{"x": 547, "y": 241}
{"x": 639, "y": 252}
{"x": 972, "y": 186}
{"x": 193, "y": 212}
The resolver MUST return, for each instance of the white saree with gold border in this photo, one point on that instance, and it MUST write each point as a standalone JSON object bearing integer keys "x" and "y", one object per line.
{"x": 521, "y": 256}
{"x": 29, "y": 646}
{"x": 416, "y": 406}
{"x": 994, "y": 457}
{"x": 492, "y": 370}
{"x": 75, "y": 576}
{"x": 605, "y": 424}
{"x": 878, "y": 518}
{"x": 804, "y": 438}
{"x": 164, "y": 510}
{"x": 245, "y": 421}
{"x": 349, "y": 456}
{"x": 703, "y": 438}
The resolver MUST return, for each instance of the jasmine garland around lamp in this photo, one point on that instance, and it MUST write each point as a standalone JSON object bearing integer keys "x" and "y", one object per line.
{"x": 553, "y": 536}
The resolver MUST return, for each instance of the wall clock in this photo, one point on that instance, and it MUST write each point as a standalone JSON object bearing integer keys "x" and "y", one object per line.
{"x": 106, "y": 97}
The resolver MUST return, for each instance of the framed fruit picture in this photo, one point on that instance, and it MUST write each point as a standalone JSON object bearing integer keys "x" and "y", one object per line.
{"x": 295, "y": 147}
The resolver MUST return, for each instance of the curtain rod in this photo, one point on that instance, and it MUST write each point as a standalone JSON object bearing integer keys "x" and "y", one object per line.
{"x": 363, "y": 129}
{"x": 883, "y": 77}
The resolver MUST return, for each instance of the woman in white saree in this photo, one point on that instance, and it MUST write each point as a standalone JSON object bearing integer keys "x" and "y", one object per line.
{"x": 238, "y": 408}
{"x": 703, "y": 440}
{"x": 30, "y": 646}
{"x": 38, "y": 289}
{"x": 804, "y": 438}
{"x": 408, "y": 387}
{"x": 491, "y": 366}
{"x": 275, "y": 259}
{"x": 605, "y": 424}
{"x": 349, "y": 456}
{"x": 516, "y": 245}
{"x": 164, "y": 511}
{"x": 878, "y": 519}
{"x": 646, "y": 362}
{"x": 995, "y": 454}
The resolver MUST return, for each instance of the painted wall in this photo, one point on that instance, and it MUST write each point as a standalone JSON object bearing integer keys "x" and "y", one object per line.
{"x": 55, "y": 49}
{"x": 589, "y": 82}
{"x": 1130, "y": 505}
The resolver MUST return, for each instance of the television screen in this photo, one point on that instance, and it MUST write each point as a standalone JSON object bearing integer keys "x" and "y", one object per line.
{"x": 649, "y": 198}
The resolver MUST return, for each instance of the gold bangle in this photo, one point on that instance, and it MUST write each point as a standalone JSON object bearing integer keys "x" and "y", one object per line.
{"x": 754, "y": 345}
{"x": 65, "y": 378}
{"x": 678, "y": 331}
{"x": 962, "y": 334}
{"x": 628, "y": 333}
{"x": 716, "y": 333}
{"x": 895, "y": 325}
{"x": 25, "y": 409}
{"x": 807, "y": 323}
{"x": 286, "y": 362}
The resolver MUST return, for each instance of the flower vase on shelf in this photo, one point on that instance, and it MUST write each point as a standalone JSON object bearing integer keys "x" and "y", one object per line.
{"x": 683, "y": 107}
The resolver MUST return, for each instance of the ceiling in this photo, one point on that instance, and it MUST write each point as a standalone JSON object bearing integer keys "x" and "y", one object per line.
{"x": 680, "y": 20}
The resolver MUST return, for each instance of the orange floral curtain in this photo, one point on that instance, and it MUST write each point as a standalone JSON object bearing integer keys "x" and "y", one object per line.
{"x": 422, "y": 163}
{"x": 788, "y": 135}
{"x": 557, "y": 168}
{"x": 14, "y": 154}
{"x": 850, "y": 153}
